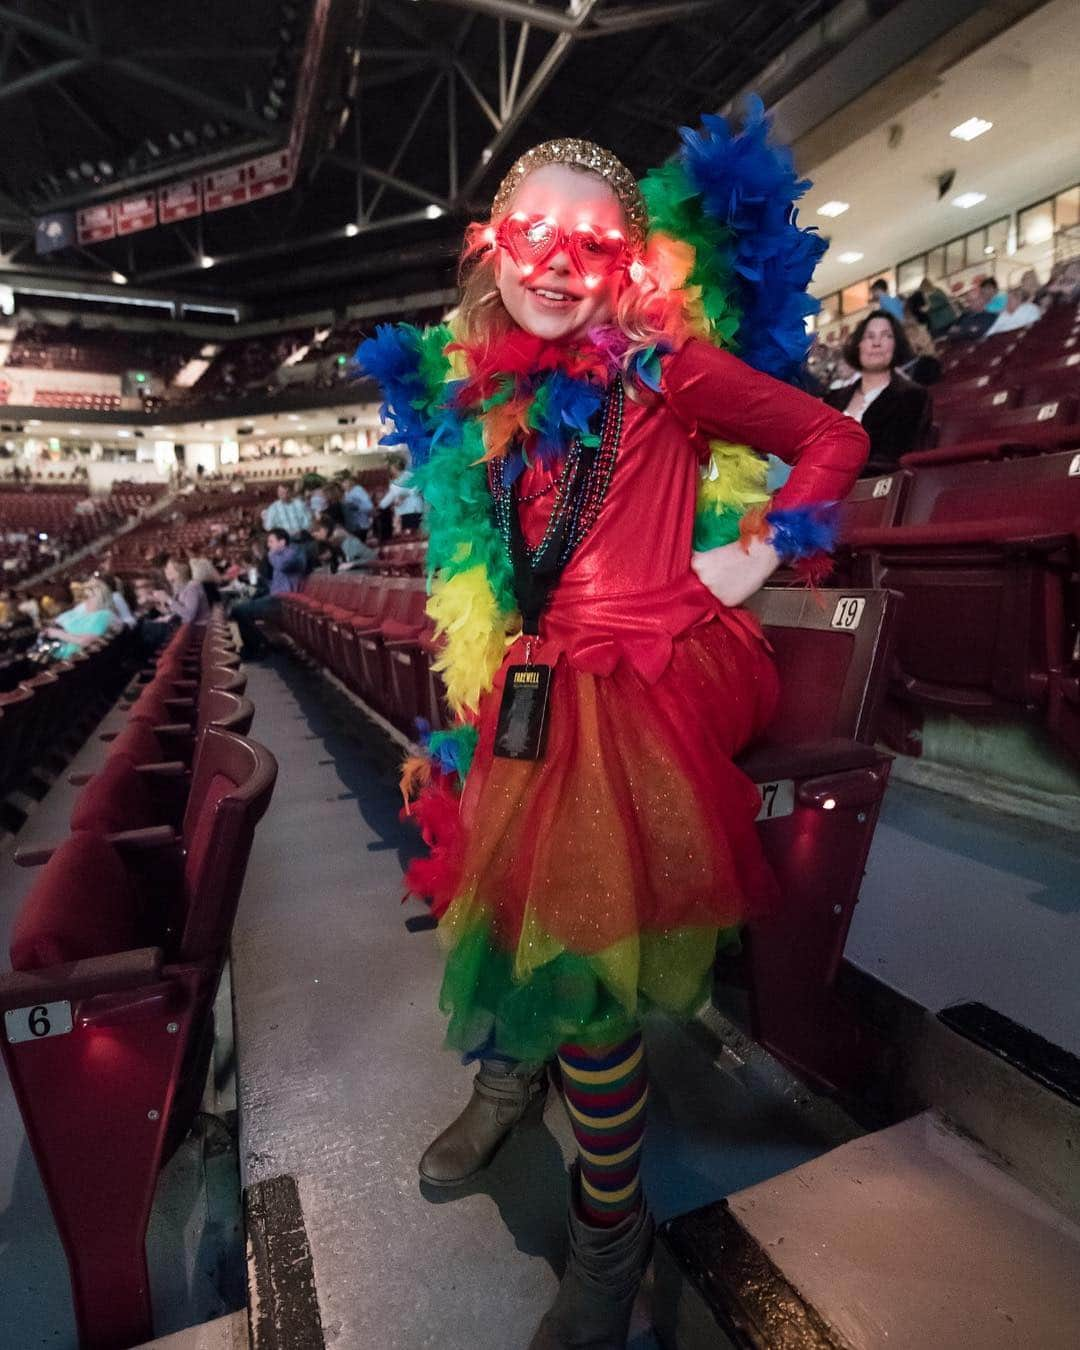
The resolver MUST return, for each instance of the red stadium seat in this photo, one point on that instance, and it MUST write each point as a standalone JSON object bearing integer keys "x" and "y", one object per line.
{"x": 984, "y": 559}
{"x": 108, "y": 1020}
{"x": 822, "y": 783}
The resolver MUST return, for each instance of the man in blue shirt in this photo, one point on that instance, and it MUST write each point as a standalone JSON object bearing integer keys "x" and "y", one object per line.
{"x": 888, "y": 304}
{"x": 287, "y": 569}
{"x": 287, "y": 513}
{"x": 359, "y": 508}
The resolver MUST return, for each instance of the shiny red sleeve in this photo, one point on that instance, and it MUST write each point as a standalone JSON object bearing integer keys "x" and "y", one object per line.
{"x": 718, "y": 397}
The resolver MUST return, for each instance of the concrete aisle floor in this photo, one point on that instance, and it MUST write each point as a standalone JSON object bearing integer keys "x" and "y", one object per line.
{"x": 343, "y": 1082}
{"x": 960, "y": 902}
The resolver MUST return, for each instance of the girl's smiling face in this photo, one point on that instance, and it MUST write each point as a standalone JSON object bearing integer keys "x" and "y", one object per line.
{"x": 553, "y": 302}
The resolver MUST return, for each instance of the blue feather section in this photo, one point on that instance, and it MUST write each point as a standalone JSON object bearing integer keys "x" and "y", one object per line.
{"x": 392, "y": 357}
{"x": 567, "y": 412}
{"x": 750, "y": 187}
{"x": 804, "y": 531}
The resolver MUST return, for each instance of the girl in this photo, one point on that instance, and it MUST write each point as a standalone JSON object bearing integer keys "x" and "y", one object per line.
{"x": 591, "y": 836}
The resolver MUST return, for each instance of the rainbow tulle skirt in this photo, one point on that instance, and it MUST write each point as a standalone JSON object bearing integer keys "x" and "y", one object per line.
{"x": 595, "y": 883}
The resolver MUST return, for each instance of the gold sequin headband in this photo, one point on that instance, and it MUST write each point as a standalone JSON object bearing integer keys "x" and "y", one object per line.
{"x": 585, "y": 155}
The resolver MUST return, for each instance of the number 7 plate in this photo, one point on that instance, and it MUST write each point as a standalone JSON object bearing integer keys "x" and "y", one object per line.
{"x": 777, "y": 799}
{"x": 38, "y": 1023}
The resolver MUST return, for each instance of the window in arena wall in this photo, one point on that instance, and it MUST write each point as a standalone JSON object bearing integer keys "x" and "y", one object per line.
{"x": 955, "y": 256}
{"x": 1036, "y": 224}
{"x": 997, "y": 237}
{"x": 855, "y": 297}
{"x": 909, "y": 274}
{"x": 935, "y": 263}
{"x": 1067, "y": 209}
{"x": 830, "y": 309}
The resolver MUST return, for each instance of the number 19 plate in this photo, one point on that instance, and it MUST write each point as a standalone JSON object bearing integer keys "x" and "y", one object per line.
{"x": 38, "y": 1023}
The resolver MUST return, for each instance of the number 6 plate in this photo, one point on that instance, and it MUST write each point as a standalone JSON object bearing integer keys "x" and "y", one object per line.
{"x": 38, "y": 1023}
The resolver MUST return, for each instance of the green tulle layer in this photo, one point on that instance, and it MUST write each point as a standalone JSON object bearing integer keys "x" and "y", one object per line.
{"x": 587, "y": 1000}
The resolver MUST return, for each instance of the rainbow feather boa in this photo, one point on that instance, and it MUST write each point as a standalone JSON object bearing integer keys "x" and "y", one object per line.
{"x": 723, "y": 211}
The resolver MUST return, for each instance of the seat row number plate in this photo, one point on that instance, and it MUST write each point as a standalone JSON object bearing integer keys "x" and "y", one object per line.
{"x": 38, "y": 1023}
{"x": 848, "y": 612}
{"x": 777, "y": 799}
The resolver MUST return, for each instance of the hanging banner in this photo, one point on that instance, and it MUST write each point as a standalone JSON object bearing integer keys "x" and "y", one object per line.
{"x": 225, "y": 188}
{"x": 180, "y": 201}
{"x": 94, "y": 224}
{"x": 136, "y": 213}
{"x": 270, "y": 174}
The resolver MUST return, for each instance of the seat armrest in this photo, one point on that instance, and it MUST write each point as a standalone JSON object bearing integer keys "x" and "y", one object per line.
{"x": 769, "y": 763}
{"x": 169, "y": 768}
{"x": 81, "y": 979}
{"x": 147, "y": 840}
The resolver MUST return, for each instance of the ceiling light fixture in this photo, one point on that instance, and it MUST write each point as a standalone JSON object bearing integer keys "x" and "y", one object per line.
{"x": 206, "y": 261}
{"x": 352, "y": 230}
{"x": 833, "y": 208}
{"x": 850, "y": 257}
{"x": 967, "y": 200}
{"x": 433, "y": 212}
{"x": 119, "y": 278}
{"x": 967, "y": 131}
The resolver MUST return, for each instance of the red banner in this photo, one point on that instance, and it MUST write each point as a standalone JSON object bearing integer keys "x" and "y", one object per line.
{"x": 180, "y": 201}
{"x": 94, "y": 224}
{"x": 136, "y": 213}
{"x": 225, "y": 188}
{"x": 270, "y": 174}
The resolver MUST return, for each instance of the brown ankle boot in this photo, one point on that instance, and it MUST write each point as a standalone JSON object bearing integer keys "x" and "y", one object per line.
{"x": 502, "y": 1093}
{"x": 595, "y": 1302}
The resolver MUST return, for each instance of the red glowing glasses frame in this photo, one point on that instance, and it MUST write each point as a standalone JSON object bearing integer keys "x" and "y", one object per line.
{"x": 532, "y": 240}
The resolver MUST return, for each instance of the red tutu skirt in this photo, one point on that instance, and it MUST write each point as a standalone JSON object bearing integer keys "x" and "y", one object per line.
{"x": 593, "y": 883}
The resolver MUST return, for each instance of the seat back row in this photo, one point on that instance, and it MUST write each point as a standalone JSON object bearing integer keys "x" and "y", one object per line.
{"x": 116, "y": 955}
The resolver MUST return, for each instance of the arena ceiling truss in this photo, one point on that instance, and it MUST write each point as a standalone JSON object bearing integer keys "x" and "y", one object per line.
{"x": 399, "y": 117}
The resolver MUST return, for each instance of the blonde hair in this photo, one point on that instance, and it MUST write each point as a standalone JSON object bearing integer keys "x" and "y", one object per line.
{"x": 642, "y": 313}
{"x": 97, "y": 590}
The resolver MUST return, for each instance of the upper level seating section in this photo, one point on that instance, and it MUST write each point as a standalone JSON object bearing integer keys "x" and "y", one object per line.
{"x": 103, "y": 351}
{"x": 67, "y": 516}
{"x": 76, "y": 402}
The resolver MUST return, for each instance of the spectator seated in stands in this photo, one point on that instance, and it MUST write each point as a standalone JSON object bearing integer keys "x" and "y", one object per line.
{"x": 90, "y": 621}
{"x": 1019, "y": 312}
{"x": 288, "y": 513}
{"x": 288, "y": 566}
{"x": 893, "y": 410}
{"x": 1063, "y": 288}
{"x": 886, "y": 303}
{"x": 978, "y": 316}
{"x": 358, "y": 507}
{"x": 941, "y": 313}
{"x": 926, "y": 368}
{"x": 122, "y": 599}
{"x": 206, "y": 574}
{"x": 345, "y": 547}
{"x": 187, "y": 602}
{"x": 401, "y": 497}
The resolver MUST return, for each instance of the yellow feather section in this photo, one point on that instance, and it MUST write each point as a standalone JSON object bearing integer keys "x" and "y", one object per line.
{"x": 466, "y": 615}
{"x": 735, "y": 477}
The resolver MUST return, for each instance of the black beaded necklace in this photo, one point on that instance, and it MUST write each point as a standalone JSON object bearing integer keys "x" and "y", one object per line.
{"x": 579, "y": 494}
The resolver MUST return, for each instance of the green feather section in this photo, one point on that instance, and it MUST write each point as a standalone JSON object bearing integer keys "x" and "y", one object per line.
{"x": 675, "y": 210}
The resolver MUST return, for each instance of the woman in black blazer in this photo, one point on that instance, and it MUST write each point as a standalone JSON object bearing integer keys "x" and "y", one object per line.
{"x": 895, "y": 412}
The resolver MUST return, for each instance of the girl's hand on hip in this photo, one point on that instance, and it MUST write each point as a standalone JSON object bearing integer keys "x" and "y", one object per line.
{"x": 734, "y": 573}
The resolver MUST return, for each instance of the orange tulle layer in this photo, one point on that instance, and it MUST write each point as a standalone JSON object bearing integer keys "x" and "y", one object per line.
{"x": 636, "y": 819}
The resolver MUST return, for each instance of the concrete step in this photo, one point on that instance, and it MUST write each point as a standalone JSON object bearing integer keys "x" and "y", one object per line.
{"x": 910, "y": 1237}
{"x": 224, "y": 1333}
